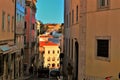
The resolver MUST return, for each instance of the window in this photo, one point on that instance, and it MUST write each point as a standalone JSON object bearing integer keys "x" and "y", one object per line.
{"x": 8, "y": 22}
{"x": 12, "y": 24}
{"x": 25, "y": 24}
{"x": 24, "y": 39}
{"x": 72, "y": 50}
{"x": 33, "y": 26}
{"x": 72, "y": 16}
{"x": 58, "y": 51}
{"x": 58, "y": 65}
{"x": 103, "y": 48}
{"x": 66, "y": 46}
{"x": 69, "y": 19}
{"x": 48, "y": 52}
{"x": 25, "y": 10}
{"x": 43, "y": 52}
{"x": 77, "y": 13}
{"x": 53, "y": 59}
{"x": 48, "y": 59}
{"x": 23, "y": 18}
{"x": 53, "y": 65}
{"x": 69, "y": 47}
{"x": 12, "y": 0}
{"x": 53, "y": 51}
{"x": 103, "y": 4}
{"x": 3, "y": 21}
{"x": 21, "y": 2}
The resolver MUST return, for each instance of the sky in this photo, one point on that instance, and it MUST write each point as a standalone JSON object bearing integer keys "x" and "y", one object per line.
{"x": 50, "y": 11}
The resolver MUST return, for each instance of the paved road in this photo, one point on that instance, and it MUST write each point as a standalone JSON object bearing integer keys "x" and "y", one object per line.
{"x": 36, "y": 78}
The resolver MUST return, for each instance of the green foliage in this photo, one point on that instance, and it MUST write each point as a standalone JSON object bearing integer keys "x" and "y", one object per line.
{"x": 43, "y": 29}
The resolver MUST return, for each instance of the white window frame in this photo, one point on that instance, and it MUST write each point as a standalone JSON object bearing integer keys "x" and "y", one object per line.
{"x": 105, "y": 6}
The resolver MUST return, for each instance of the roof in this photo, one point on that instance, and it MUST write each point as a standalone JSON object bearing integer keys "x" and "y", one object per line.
{"x": 55, "y": 40}
{"x": 8, "y": 49}
{"x": 47, "y": 43}
{"x": 44, "y": 36}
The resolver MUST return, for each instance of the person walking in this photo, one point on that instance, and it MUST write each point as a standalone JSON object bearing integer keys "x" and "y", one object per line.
{"x": 70, "y": 69}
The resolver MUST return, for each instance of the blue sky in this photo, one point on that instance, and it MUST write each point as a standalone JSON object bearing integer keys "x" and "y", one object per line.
{"x": 50, "y": 11}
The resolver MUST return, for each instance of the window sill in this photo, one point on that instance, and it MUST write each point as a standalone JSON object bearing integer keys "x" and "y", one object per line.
{"x": 103, "y": 58}
{"x": 102, "y": 8}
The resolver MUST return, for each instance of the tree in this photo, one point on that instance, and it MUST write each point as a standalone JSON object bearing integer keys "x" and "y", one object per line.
{"x": 43, "y": 29}
{"x": 60, "y": 30}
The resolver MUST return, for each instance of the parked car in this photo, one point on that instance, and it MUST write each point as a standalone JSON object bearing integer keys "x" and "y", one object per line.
{"x": 54, "y": 73}
{"x": 43, "y": 73}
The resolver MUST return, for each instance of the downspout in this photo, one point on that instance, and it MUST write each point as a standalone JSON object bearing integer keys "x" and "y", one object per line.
{"x": 15, "y": 24}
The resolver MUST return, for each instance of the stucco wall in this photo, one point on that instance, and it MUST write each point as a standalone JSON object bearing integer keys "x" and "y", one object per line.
{"x": 46, "y": 55}
{"x": 104, "y": 24}
{"x": 8, "y": 7}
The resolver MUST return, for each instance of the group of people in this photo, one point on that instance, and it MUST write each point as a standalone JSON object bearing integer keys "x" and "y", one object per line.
{"x": 69, "y": 71}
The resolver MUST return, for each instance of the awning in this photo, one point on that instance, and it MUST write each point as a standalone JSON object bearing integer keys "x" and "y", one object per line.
{"x": 8, "y": 49}
{"x": 14, "y": 49}
{"x": 4, "y": 48}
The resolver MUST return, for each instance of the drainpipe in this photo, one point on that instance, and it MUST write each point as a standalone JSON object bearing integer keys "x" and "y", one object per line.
{"x": 15, "y": 24}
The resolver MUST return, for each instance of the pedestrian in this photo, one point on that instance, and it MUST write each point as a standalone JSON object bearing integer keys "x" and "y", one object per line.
{"x": 58, "y": 78}
{"x": 61, "y": 77}
{"x": 31, "y": 70}
{"x": 70, "y": 69}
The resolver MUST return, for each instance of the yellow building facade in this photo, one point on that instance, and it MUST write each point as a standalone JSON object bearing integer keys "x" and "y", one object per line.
{"x": 92, "y": 34}
{"x": 51, "y": 57}
{"x": 50, "y": 54}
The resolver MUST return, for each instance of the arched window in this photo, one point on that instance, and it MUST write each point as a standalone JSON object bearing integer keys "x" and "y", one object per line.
{"x": 53, "y": 51}
{"x": 48, "y": 51}
{"x": 48, "y": 59}
{"x": 58, "y": 51}
{"x": 58, "y": 65}
{"x": 53, "y": 59}
{"x": 53, "y": 65}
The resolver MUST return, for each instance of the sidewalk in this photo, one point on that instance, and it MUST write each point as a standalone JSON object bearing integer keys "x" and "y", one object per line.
{"x": 24, "y": 77}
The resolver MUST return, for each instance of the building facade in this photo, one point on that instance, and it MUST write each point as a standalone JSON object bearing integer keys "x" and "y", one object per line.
{"x": 38, "y": 24}
{"x": 91, "y": 38}
{"x": 19, "y": 34}
{"x": 8, "y": 48}
{"x": 30, "y": 26}
{"x": 50, "y": 54}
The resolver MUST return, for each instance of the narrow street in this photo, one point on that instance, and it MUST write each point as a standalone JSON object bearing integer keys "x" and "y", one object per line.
{"x": 37, "y": 78}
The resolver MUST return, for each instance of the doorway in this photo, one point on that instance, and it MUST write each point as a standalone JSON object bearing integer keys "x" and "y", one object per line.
{"x": 76, "y": 59}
